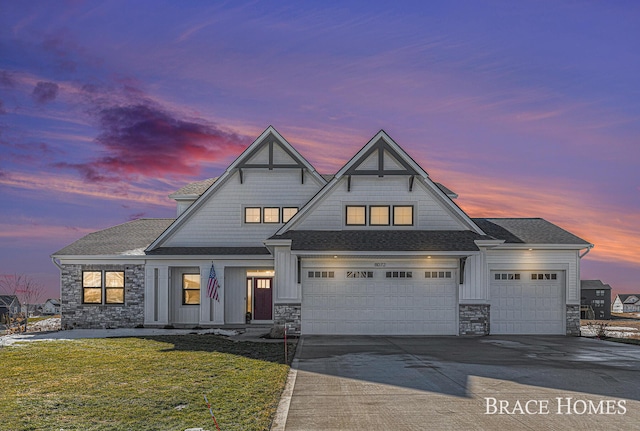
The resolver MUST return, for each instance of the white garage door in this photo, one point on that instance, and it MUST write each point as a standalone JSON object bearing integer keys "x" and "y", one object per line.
{"x": 525, "y": 302}
{"x": 382, "y": 301}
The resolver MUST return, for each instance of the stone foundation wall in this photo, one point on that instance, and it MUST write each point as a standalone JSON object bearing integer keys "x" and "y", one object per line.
{"x": 288, "y": 315}
{"x": 573, "y": 320}
{"x": 473, "y": 319}
{"x": 75, "y": 314}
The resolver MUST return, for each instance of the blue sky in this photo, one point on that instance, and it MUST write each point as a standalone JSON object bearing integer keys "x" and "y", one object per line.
{"x": 525, "y": 109}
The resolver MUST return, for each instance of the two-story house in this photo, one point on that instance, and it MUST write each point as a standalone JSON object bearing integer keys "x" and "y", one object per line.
{"x": 376, "y": 248}
{"x": 626, "y": 303}
{"x": 595, "y": 300}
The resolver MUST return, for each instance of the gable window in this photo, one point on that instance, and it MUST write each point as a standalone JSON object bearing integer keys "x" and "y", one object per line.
{"x": 95, "y": 282}
{"x": 378, "y": 215}
{"x": 287, "y": 213}
{"x": 403, "y": 215}
{"x": 271, "y": 215}
{"x": 252, "y": 215}
{"x": 356, "y": 215}
{"x": 190, "y": 289}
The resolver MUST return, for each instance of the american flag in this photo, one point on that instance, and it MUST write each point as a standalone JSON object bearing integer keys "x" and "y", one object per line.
{"x": 212, "y": 286}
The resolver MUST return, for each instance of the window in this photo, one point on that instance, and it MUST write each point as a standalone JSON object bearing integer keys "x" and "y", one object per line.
{"x": 599, "y": 292}
{"x": 507, "y": 276}
{"x": 252, "y": 215}
{"x": 190, "y": 289}
{"x": 321, "y": 274}
{"x": 403, "y": 215}
{"x": 437, "y": 274}
{"x": 271, "y": 215}
{"x": 93, "y": 283}
{"x": 359, "y": 274}
{"x": 399, "y": 274}
{"x": 547, "y": 276}
{"x": 287, "y": 213}
{"x": 356, "y": 215}
{"x": 379, "y": 215}
{"x": 598, "y": 303}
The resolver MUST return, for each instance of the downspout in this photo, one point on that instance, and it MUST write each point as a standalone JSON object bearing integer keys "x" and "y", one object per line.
{"x": 589, "y": 247}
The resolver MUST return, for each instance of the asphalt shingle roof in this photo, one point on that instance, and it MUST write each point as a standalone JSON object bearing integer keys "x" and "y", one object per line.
{"x": 211, "y": 251}
{"x": 382, "y": 240}
{"x": 593, "y": 285}
{"x": 125, "y": 239}
{"x": 197, "y": 188}
{"x": 527, "y": 231}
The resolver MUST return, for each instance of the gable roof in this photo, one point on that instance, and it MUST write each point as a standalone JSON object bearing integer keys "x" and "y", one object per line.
{"x": 7, "y": 300}
{"x": 264, "y": 142}
{"x": 593, "y": 285}
{"x": 629, "y": 298}
{"x": 127, "y": 239}
{"x": 374, "y": 159}
{"x": 528, "y": 231}
{"x": 193, "y": 190}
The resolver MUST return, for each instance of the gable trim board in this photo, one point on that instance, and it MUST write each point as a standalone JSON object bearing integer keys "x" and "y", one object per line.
{"x": 435, "y": 276}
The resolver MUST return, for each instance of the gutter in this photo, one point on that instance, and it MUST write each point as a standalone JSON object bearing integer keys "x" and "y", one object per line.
{"x": 56, "y": 263}
{"x": 589, "y": 247}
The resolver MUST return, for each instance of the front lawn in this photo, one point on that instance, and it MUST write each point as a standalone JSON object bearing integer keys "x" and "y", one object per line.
{"x": 152, "y": 383}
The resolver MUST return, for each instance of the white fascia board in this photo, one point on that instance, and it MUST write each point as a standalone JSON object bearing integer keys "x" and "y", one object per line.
{"x": 390, "y": 254}
{"x": 488, "y": 243}
{"x": 143, "y": 259}
{"x": 511, "y": 246}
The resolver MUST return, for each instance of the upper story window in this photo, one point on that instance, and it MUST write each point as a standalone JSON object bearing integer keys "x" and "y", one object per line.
{"x": 252, "y": 215}
{"x": 287, "y": 213}
{"x": 190, "y": 289}
{"x": 378, "y": 215}
{"x": 271, "y": 215}
{"x": 403, "y": 215}
{"x": 103, "y": 287}
{"x": 356, "y": 215}
{"x": 599, "y": 292}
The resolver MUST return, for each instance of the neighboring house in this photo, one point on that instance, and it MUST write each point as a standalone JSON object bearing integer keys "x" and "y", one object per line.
{"x": 51, "y": 306}
{"x": 626, "y": 303}
{"x": 377, "y": 248}
{"x": 9, "y": 306}
{"x": 595, "y": 300}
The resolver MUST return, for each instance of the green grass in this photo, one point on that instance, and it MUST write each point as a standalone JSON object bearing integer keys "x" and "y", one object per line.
{"x": 137, "y": 383}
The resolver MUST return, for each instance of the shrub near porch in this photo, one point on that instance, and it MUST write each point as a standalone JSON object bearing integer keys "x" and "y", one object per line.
{"x": 141, "y": 383}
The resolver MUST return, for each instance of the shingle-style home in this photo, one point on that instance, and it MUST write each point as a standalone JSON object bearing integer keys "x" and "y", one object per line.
{"x": 377, "y": 248}
{"x": 595, "y": 300}
{"x": 51, "y": 306}
{"x": 626, "y": 303}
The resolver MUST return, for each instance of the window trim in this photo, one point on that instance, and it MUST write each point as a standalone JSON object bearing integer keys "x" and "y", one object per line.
{"x": 184, "y": 290}
{"x": 346, "y": 215}
{"x": 103, "y": 287}
{"x": 264, "y": 215}
{"x": 412, "y": 215}
{"x": 259, "y": 215}
{"x": 388, "y": 207}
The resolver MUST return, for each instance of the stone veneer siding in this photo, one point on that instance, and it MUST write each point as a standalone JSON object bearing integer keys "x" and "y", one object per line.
{"x": 573, "y": 320}
{"x": 288, "y": 315}
{"x": 473, "y": 319}
{"x": 75, "y": 314}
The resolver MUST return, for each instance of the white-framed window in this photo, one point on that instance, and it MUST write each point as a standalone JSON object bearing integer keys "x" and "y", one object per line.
{"x": 288, "y": 212}
{"x": 103, "y": 287}
{"x": 271, "y": 215}
{"x": 399, "y": 274}
{"x": 403, "y": 215}
{"x": 379, "y": 215}
{"x": 356, "y": 215}
{"x": 321, "y": 274}
{"x": 190, "y": 289}
{"x": 437, "y": 274}
{"x": 507, "y": 276}
{"x": 359, "y": 274}
{"x": 545, "y": 276}
{"x": 252, "y": 215}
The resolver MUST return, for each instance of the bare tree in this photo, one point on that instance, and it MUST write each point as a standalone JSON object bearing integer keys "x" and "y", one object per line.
{"x": 25, "y": 287}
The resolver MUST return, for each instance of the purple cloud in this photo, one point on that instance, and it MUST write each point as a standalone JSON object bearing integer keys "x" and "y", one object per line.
{"x": 6, "y": 79}
{"x": 45, "y": 92}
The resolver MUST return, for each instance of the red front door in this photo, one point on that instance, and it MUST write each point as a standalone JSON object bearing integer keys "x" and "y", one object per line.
{"x": 262, "y": 301}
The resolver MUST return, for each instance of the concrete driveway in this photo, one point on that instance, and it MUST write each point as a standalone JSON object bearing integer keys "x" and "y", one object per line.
{"x": 457, "y": 383}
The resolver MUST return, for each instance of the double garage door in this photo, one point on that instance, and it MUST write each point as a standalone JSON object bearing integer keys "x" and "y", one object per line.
{"x": 379, "y": 301}
{"x": 527, "y": 302}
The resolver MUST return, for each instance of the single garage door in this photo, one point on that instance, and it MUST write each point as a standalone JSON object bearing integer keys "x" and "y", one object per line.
{"x": 382, "y": 301}
{"x": 526, "y": 302}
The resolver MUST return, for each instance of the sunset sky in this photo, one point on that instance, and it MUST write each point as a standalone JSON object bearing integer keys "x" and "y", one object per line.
{"x": 525, "y": 109}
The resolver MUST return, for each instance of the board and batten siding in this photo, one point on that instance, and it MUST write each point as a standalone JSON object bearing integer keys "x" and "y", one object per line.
{"x": 429, "y": 212}
{"x": 220, "y": 221}
{"x": 540, "y": 260}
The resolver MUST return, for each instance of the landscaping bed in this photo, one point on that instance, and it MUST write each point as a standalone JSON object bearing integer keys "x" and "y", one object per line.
{"x": 150, "y": 383}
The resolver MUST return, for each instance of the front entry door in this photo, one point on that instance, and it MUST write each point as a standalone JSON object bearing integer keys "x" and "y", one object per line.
{"x": 262, "y": 299}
